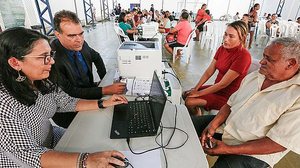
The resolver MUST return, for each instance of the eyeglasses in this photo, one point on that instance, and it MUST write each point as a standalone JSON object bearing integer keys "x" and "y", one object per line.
{"x": 47, "y": 57}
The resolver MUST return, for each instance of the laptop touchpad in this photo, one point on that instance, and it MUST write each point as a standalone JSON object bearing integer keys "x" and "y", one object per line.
{"x": 121, "y": 109}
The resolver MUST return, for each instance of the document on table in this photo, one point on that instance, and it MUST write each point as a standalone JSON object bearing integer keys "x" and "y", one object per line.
{"x": 147, "y": 160}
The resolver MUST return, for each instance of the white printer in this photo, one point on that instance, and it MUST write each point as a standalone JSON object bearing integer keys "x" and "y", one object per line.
{"x": 139, "y": 59}
{"x": 148, "y": 30}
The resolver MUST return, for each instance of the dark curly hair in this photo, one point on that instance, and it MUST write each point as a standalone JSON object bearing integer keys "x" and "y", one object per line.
{"x": 16, "y": 42}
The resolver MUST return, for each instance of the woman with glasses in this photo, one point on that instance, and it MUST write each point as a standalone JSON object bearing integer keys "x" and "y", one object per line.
{"x": 28, "y": 100}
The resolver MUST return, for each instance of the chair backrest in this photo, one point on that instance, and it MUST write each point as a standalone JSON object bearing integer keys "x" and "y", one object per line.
{"x": 274, "y": 28}
{"x": 121, "y": 33}
{"x": 209, "y": 27}
{"x": 189, "y": 38}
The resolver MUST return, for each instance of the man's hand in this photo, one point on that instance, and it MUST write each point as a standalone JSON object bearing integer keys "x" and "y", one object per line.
{"x": 116, "y": 88}
{"x": 207, "y": 134}
{"x": 115, "y": 100}
{"x": 215, "y": 147}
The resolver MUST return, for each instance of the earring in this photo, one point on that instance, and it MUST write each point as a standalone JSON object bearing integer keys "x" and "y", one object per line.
{"x": 20, "y": 78}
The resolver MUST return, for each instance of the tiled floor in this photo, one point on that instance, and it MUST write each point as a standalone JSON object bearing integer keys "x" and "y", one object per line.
{"x": 104, "y": 40}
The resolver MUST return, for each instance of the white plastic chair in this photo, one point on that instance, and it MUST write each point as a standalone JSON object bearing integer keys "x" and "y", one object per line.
{"x": 120, "y": 33}
{"x": 208, "y": 36}
{"x": 291, "y": 30}
{"x": 262, "y": 37}
{"x": 185, "y": 50}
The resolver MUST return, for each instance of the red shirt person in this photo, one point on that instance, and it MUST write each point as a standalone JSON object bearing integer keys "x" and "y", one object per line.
{"x": 199, "y": 21}
{"x": 232, "y": 60}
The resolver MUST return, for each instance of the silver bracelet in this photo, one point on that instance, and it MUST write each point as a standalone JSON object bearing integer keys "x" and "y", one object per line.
{"x": 81, "y": 160}
{"x": 84, "y": 159}
{"x": 78, "y": 160}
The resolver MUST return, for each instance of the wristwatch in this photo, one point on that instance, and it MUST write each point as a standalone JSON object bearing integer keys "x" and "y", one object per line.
{"x": 100, "y": 103}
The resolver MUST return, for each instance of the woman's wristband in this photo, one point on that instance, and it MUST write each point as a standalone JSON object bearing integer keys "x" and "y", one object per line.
{"x": 100, "y": 103}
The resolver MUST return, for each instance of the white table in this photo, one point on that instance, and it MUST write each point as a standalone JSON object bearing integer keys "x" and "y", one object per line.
{"x": 90, "y": 131}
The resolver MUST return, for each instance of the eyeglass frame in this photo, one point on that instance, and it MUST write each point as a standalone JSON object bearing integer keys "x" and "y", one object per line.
{"x": 47, "y": 57}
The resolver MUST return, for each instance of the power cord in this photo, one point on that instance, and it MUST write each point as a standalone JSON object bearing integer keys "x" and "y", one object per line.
{"x": 161, "y": 145}
{"x": 166, "y": 72}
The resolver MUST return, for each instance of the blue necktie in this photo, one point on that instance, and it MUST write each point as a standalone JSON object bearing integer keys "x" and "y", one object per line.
{"x": 82, "y": 75}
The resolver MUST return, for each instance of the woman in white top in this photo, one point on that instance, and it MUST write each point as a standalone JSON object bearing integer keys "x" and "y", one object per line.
{"x": 165, "y": 25}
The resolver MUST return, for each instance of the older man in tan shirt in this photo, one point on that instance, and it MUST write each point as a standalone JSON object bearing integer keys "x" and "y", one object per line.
{"x": 261, "y": 120}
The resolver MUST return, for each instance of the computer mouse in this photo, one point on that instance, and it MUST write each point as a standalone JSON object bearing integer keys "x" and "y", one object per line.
{"x": 126, "y": 162}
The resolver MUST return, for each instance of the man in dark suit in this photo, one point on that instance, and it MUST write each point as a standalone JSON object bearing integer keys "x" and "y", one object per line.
{"x": 73, "y": 62}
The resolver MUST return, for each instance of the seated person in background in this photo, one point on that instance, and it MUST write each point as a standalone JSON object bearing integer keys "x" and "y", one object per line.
{"x": 199, "y": 17}
{"x": 206, "y": 17}
{"x": 138, "y": 19}
{"x": 130, "y": 19}
{"x": 270, "y": 22}
{"x": 183, "y": 30}
{"x": 262, "y": 117}
{"x": 128, "y": 30}
{"x": 157, "y": 16}
{"x": 232, "y": 60}
{"x": 74, "y": 59}
{"x": 165, "y": 24}
{"x": 236, "y": 16}
{"x": 28, "y": 100}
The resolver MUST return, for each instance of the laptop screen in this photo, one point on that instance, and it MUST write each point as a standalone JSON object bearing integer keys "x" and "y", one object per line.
{"x": 157, "y": 98}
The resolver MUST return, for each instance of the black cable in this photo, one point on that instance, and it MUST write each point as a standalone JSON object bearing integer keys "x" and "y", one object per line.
{"x": 164, "y": 72}
{"x": 161, "y": 145}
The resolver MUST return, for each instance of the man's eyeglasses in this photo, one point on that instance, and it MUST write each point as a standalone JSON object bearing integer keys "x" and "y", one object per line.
{"x": 47, "y": 57}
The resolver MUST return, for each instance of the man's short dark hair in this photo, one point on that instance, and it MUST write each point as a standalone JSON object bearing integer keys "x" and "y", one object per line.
{"x": 64, "y": 15}
{"x": 185, "y": 15}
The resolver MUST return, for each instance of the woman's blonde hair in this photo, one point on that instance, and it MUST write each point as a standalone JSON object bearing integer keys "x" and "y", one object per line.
{"x": 242, "y": 29}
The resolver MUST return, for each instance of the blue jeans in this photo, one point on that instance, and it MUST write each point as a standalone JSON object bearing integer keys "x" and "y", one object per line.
{"x": 227, "y": 161}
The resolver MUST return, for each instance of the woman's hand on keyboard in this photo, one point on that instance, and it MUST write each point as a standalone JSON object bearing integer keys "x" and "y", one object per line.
{"x": 115, "y": 100}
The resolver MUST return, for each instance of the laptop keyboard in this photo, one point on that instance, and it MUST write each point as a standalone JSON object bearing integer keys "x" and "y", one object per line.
{"x": 140, "y": 119}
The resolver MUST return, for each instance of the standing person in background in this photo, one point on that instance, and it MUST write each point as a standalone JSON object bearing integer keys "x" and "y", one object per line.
{"x": 118, "y": 9}
{"x": 253, "y": 19}
{"x": 232, "y": 60}
{"x": 199, "y": 17}
{"x": 28, "y": 99}
{"x": 152, "y": 14}
{"x": 74, "y": 59}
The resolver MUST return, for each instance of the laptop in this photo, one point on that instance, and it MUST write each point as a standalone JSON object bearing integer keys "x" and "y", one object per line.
{"x": 140, "y": 118}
